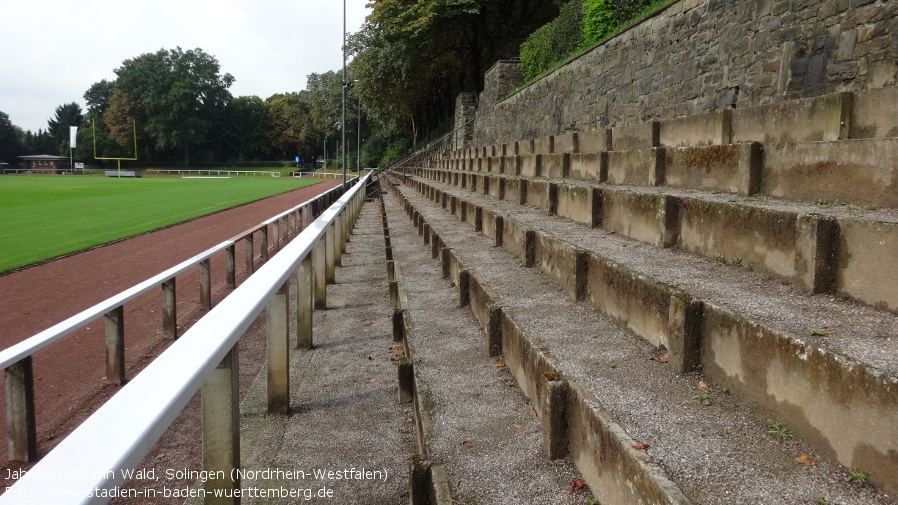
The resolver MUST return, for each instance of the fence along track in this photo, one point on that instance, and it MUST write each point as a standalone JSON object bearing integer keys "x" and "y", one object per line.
{"x": 127, "y": 426}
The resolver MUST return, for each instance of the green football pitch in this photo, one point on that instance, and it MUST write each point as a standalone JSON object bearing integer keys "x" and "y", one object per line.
{"x": 43, "y": 217}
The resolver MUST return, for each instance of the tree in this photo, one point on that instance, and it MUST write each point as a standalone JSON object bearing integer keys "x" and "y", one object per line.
{"x": 245, "y": 128}
{"x": 413, "y": 57}
{"x": 10, "y": 140}
{"x": 182, "y": 94}
{"x": 124, "y": 118}
{"x": 97, "y": 98}
{"x": 67, "y": 115}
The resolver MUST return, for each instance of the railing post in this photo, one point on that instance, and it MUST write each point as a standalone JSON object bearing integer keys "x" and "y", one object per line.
{"x": 169, "y": 309}
{"x": 319, "y": 267}
{"x": 115, "y": 346}
{"x": 304, "y": 304}
{"x": 230, "y": 267}
{"x": 263, "y": 246}
{"x": 346, "y": 224}
{"x": 330, "y": 271}
{"x": 338, "y": 242}
{"x": 279, "y": 351}
{"x": 21, "y": 427}
{"x": 221, "y": 428}
{"x": 248, "y": 249}
{"x": 206, "y": 284}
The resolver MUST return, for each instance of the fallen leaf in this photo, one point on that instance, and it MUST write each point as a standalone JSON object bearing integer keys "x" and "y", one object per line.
{"x": 499, "y": 365}
{"x": 641, "y": 446}
{"x": 664, "y": 358}
{"x": 805, "y": 459}
{"x": 372, "y": 380}
{"x": 577, "y": 484}
{"x": 160, "y": 456}
{"x": 703, "y": 384}
{"x": 531, "y": 413}
{"x": 467, "y": 443}
{"x": 551, "y": 376}
{"x": 518, "y": 426}
{"x": 368, "y": 322}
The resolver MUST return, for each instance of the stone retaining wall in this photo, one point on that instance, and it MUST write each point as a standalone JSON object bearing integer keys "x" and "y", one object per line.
{"x": 695, "y": 57}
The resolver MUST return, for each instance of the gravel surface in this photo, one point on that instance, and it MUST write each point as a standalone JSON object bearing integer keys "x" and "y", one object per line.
{"x": 344, "y": 412}
{"x": 719, "y": 453}
{"x": 484, "y": 430}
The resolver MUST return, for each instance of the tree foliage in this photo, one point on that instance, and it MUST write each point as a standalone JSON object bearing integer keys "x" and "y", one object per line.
{"x": 245, "y": 128}
{"x": 66, "y": 115}
{"x": 554, "y": 41}
{"x": 182, "y": 95}
{"x": 10, "y": 140}
{"x": 413, "y": 57}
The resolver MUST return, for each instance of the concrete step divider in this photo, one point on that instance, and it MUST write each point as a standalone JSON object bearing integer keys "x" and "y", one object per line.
{"x": 699, "y": 333}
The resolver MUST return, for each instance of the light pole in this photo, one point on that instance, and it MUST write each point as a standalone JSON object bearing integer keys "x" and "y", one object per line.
{"x": 358, "y": 144}
{"x": 343, "y": 121}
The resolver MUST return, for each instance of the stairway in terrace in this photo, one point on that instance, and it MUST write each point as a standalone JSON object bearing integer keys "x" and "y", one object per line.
{"x": 701, "y": 310}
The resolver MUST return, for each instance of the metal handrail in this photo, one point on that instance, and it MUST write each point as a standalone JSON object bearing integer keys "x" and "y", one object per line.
{"x": 123, "y": 430}
{"x": 425, "y": 153}
{"x": 31, "y": 345}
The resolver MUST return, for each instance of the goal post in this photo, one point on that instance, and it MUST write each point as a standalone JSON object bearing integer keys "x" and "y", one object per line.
{"x": 93, "y": 125}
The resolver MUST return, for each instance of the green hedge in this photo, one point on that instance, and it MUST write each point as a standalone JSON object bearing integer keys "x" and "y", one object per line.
{"x": 579, "y": 25}
{"x": 598, "y": 20}
{"x": 553, "y": 42}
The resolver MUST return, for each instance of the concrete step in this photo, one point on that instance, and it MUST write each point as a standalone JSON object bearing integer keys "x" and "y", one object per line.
{"x": 868, "y": 114}
{"x": 859, "y": 171}
{"x": 821, "y": 248}
{"x": 478, "y": 429}
{"x": 820, "y": 365}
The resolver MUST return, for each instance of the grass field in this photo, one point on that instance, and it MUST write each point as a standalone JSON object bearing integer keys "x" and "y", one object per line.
{"x": 43, "y": 217}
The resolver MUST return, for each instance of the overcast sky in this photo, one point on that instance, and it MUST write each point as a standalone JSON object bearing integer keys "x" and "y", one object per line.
{"x": 53, "y": 50}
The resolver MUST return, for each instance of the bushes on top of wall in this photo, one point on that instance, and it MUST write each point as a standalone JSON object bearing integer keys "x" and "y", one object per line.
{"x": 553, "y": 42}
{"x": 579, "y": 25}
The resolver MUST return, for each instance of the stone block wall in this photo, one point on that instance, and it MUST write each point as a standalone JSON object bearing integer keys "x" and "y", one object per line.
{"x": 695, "y": 57}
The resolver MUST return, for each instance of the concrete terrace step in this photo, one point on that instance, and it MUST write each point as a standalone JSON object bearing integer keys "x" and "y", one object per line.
{"x": 750, "y": 333}
{"x": 821, "y": 247}
{"x": 705, "y": 445}
{"x": 344, "y": 414}
{"x": 478, "y": 427}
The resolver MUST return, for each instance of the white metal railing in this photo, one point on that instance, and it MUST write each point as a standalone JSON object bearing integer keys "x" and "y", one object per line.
{"x": 321, "y": 175}
{"x": 120, "y": 433}
{"x": 213, "y": 173}
{"x": 31, "y": 345}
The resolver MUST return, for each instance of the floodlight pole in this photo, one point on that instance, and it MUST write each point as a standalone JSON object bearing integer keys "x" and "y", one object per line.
{"x": 343, "y": 121}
